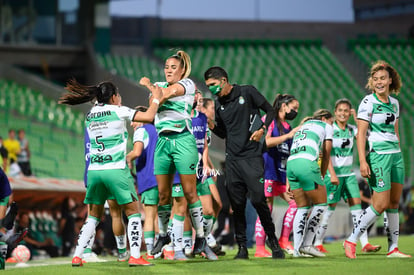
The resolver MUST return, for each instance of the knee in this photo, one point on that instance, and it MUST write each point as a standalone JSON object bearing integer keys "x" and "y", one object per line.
{"x": 165, "y": 198}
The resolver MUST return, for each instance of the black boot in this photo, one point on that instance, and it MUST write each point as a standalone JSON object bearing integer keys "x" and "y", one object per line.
{"x": 277, "y": 252}
{"x": 243, "y": 253}
{"x": 199, "y": 245}
{"x": 161, "y": 242}
{"x": 8, "y": 220}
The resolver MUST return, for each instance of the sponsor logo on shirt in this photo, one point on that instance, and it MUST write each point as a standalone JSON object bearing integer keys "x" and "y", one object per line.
{"x": 241, "y": 100}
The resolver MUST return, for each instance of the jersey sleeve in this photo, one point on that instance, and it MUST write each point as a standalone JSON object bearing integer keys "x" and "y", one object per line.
{"x": 256, "y": 96}
{"x": 365, "y": 109}
{"x": 126, "y": 113}
{"x": 328, "y": 132}
{"x": 141, "y": 135}
{"x": 189, "y": 86}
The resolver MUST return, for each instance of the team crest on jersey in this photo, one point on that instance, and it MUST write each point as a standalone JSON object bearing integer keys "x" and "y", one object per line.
{"x": 222, "y": 107}
{"x": 269, "y": 189}
{"x": 331, "y": 196}
{"x": 381, "y": 183}
{"x": 177, "y": 189}
{"x": 241, "y": 100}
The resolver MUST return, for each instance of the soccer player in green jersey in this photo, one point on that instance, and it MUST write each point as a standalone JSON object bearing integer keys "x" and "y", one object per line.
{"x": 378, "y": 116}
{"x": 340, "y": 180}
{"x": 305, "y": 179}
{"x": 176, "y": 147}
{"x": 108, "y": 176}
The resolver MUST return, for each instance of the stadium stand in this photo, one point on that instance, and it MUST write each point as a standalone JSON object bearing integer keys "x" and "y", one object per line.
{"x": 48, "y": 126}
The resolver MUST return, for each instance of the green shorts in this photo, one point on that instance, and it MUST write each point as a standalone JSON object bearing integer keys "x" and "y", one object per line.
{"x": 116, "y": 184}
{"x": 150, "y": 196}
{"x": 385, "y": 169}
{"x": 176, "y": 152}
{"x": 203, "y": 188}
{"x": 4, "y": 201}
{"x": 303, "y": 173}
{"x": 177, "y": 191}
{"x": 346, "y": 189}
{"x": 209, "y": 181}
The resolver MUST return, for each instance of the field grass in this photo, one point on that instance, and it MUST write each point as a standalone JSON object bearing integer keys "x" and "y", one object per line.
{"x": 334, "y": 263}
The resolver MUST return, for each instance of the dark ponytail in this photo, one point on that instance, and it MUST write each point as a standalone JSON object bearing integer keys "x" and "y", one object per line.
{"x": 78, "y": 93}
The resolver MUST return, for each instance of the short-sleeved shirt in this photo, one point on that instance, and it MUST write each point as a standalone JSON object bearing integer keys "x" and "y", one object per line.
{"x": 382, "y": 118}
{"x": 146, "y": 180}
{"x": 13, "y": 147}
{"x": 108, "y": 135}
{"x": 309, "y": 139}
{"x": 175, "y": 113}
{"x": 342, "y": 149}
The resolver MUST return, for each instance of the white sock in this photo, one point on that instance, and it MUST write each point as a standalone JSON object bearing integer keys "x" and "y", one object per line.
{"x": 207, "y": 225}
{"x": 164, "y": 213}
{"x": 85, "y": 234}
{"x": 367, "y": 217}
{"x": 393, "y": 230}
{"x": 178, "y": 231}
{"x": 323, "y": 227}
{"x": 313, "y": 224}
{"x": 211, "y": 241}
{"x": 363, "y": 239}
{"x": 299, "y": 227}
{"x": 135, "y": 235}
{"x": 121, "y": 242}
{"x": 196, "y": 215}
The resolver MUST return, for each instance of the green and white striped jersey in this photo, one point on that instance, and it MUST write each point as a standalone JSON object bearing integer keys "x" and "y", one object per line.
{"x": 343, "y": 149}
{"x": 309, "y": 139}
{"x": 106, "y": 126}
{"x": 382, "y": 118}
{"x": 175, "y": 113}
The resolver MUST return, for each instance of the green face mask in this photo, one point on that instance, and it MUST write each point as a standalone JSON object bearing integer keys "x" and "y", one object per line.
{"x": 215, "y": 89}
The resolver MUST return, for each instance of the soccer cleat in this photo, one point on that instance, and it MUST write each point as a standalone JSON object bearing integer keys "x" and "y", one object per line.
{"x": 369, "y": 248}
{"x": 159, "y": 245}
{"x": 350, "y": 249}
{"x": 311, "y": 250}
{"x": 395, "y": 253}
{"x": 242, "y": 254}
{"x": 209, "y": 254}
{"x": 277, "y": 252}
{"x": 322, "y": 249}
{"x": 297, "y": 254}
{"x": 77, "y": 261}
{"x": 16, "y": 238}
{"x": 262, "y": 253}
{"x": 138, "y": 262}
{"x": 91, "y": 258}
{"x": 168, "y": 254}
{"x": 199, "y": 245}
{"x": 286, "y": 246}
{"x": 217, "y": 250}
{"x": 179, "y": 256}
{"x": 123, "y": 257}
{"x": 149, "y": 256}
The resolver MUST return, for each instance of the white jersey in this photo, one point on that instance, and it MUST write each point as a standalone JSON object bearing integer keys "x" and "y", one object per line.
{"x": 382, "y": 118}
{"x": 106, "y": 126}
{"x": 308, "y": 140}
{"x": 343, "y": 149}
{"x": 175, "y": 113}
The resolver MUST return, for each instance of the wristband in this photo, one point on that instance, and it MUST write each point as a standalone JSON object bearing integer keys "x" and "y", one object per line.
{"x": 156, "y": 101}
